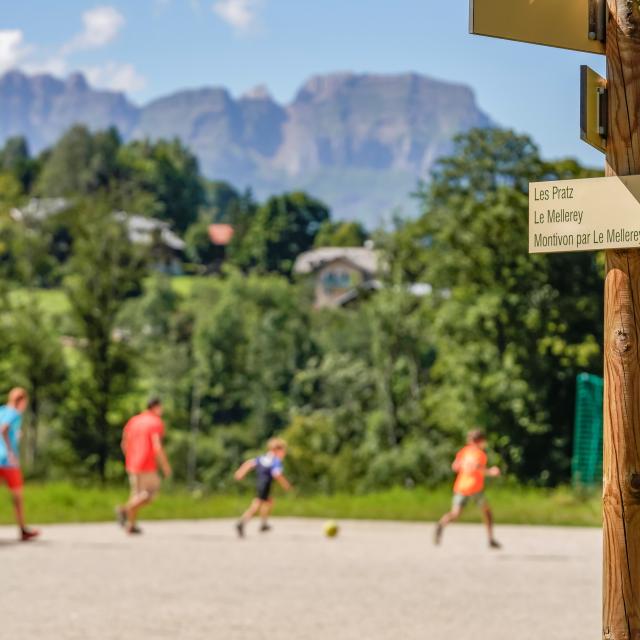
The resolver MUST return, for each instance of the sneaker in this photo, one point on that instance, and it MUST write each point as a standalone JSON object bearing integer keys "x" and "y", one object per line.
{"x": 29, "y": 534}
{"x": 121, "y": 516}
{"x": 134, "y": 530}
{"x": 264, "y": 527}
{"x": 437, "y": 534}
{"x": 494, "y": 544}
{"x": 240, "y": 529}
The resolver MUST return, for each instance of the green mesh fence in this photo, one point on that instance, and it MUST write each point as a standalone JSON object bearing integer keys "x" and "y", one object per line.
{"x": 586, "y": 465}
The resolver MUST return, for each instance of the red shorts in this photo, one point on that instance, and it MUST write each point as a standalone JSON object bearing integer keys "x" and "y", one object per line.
{"x": 12, "y": 476}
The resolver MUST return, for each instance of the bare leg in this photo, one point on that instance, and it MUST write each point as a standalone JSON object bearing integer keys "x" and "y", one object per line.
{"x": 254, "y": 508}
{"x": 487, "y": 515}
{"x": 18, "y": 506}
{"x": 265, "y": 512}
{"x": 446, "y": 519}
{"x": 450, "y": 517}
{"x": 136, "y": 502}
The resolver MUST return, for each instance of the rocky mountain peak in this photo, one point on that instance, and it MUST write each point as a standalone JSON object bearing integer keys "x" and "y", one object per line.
{"x": 358, "y": 141}
{"x": 259, "y": 92}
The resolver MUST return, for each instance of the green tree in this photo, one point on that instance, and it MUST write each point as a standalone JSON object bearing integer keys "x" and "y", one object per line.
{"x": 25, "y": 256}
{"x": 511, "y": 329}
{"x": 200, "y": 249}
{"x": 16, "y": 160}
{"x": 341, "y": 234}
{"x": 104, "y": 271}
{"x": 11, "y": 192}
{"x": 38, "y": 364}
{"x": 162, "y": 180}
{"x": 248, "y": 346}
{"x": 282, "y": 228}
{"x": 219, "y": 197}
{"x": 80, "y": 164}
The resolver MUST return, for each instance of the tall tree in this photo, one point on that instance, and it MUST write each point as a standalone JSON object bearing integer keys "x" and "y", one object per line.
{"x": 282, "y": 228}
{"x": 219, "y": 196}
{"x": 163, "y": 180}
{"x": 341, "y": 234}
{"x": 16, "y": 160}
{"x": 38, "y": 364}
{"x": 80, "y": 164}
{"x": 104, "y": 271}
{"x": 512, "y": 330}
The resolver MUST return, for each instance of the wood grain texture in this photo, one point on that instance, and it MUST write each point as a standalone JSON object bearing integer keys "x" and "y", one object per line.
{"x": 621, "y": 482}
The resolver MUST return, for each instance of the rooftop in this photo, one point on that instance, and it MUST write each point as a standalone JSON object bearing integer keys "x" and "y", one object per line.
{"x": 140, "y": 228}
{"x": 221, "y": 234}
{"x": 363, "y": 258}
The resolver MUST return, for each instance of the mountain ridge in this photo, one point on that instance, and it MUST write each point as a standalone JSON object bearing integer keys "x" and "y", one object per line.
{"x": 358, "y": 141}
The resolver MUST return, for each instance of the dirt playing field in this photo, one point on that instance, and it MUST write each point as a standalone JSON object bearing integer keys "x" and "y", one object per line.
{"x": 377, "y": 581}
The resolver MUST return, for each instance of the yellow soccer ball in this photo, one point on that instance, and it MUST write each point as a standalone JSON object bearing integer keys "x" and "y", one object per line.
{"x": 331, "y": 529}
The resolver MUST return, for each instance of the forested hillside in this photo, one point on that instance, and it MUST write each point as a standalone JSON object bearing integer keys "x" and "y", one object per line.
{"x": 373, "y": 395}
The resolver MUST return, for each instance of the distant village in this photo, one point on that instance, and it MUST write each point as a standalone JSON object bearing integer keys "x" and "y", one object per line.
{"x": 339, "y": 275}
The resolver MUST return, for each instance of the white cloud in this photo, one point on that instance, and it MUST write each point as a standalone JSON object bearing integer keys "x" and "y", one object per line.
{"x": 13, "y": 49}
{"x": 116, "y": 76}
{"x": 101, "y": 26}
{"x": 242, "y": 15}
{"x": 55, "y": 65}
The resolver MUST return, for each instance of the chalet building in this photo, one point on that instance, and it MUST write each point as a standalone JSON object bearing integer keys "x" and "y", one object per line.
{"x": 167, "y": 248}
{"x": 339, "y": 274}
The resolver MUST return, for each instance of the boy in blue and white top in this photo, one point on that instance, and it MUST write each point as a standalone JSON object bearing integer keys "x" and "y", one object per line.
{"x": 10, "y": 426}
{"x": 268, "y": 468}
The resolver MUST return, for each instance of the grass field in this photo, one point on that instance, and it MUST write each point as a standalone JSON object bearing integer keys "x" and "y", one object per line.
{"x": 63, "y": 502}
{"x": 55, "y": 301}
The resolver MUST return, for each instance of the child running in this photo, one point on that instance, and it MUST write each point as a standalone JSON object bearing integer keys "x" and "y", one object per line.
{"x": 471, "y": 466}
{"x": 10, "y": 426}
{"x": 268, "y": 467}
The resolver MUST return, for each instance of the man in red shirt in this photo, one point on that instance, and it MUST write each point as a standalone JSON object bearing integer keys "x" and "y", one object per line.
{"x": 471, "y": 466}
{"x": 142, "y": 447}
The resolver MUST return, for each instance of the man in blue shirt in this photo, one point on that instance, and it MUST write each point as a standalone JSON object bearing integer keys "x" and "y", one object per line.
{"x": 10, "y": 426}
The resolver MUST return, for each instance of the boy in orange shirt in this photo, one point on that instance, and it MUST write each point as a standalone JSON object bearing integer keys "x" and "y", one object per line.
{"x": 471, "y": 466}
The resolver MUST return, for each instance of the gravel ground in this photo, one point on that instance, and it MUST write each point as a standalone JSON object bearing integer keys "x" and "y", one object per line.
{"x": 376, "y": 581}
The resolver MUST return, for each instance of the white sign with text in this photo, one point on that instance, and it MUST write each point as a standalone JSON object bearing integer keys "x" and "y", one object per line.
{"x": 584, "y": 215}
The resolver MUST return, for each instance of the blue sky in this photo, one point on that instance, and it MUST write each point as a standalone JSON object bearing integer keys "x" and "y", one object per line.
{"x": 153, "y": 47}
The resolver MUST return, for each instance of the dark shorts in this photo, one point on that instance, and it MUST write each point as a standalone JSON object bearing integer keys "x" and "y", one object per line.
{"x": 263, "y": 489}
{"x": 460, "y": 501}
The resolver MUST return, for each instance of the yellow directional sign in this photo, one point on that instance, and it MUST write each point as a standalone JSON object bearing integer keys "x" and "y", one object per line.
{"x": 568, "y": 24}
{"x": 593, "y": 108}
{"x": 584, "y": 215}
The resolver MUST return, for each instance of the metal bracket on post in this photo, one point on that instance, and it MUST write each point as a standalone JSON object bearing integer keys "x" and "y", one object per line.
{"x": 598, "y": 20}
{"x": 594, "y": 109}
{"x": 603, "y": 112}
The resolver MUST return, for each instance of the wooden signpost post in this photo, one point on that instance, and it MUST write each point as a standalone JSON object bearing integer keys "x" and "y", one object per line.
{"x": 606, "y": 210}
